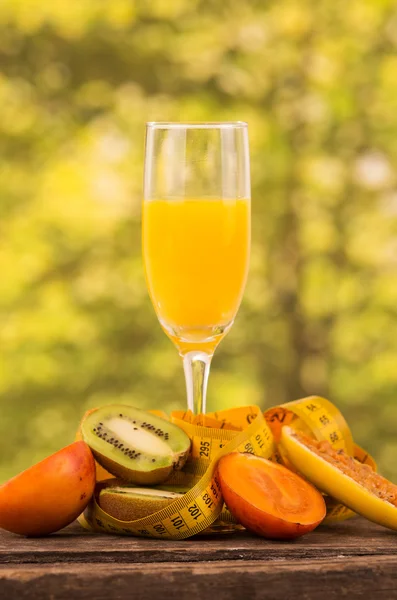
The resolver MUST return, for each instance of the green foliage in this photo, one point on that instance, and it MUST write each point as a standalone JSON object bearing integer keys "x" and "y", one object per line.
{"x": 316, "y": 80}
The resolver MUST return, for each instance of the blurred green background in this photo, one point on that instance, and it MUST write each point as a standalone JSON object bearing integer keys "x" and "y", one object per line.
{"x": 317, "y": 82}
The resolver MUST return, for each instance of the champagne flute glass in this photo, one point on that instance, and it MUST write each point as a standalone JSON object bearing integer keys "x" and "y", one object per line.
{"x": 196, "y": 237}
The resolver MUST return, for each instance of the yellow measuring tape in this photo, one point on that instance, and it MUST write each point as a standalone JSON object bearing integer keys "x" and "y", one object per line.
{"x": 319, "y": 418}
{"x": 214, "y": 435}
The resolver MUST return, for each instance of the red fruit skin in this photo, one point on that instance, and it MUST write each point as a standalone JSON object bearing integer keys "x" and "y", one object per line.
{"x": 49, "y": 495}
{"x": 259, "y": 521}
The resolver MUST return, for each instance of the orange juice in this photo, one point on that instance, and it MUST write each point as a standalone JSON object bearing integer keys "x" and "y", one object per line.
{"x": 196, "y": 255}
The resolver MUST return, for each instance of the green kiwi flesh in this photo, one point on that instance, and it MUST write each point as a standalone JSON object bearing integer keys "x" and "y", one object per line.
{"x": 127, "y": 503}
{"x": 135, "y": 445}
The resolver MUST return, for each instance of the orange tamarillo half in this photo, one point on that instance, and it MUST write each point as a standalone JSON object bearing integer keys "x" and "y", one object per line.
{"x": 269, "y": 499}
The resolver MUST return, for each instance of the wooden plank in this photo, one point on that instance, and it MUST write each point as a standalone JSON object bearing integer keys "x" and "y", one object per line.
{"x": 351, "y": 538}
{"x": 279, "y": 580}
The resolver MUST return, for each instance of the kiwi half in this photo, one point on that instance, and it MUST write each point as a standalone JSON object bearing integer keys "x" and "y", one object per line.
{"x": 135, "y": 445}
{"x": 128, "y": 503}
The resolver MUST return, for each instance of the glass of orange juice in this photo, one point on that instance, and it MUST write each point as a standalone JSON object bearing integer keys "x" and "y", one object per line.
{"x": 196, "y": 237}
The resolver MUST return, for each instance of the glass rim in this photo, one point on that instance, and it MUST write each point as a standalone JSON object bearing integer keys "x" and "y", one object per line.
{"x": 196, "y": 125}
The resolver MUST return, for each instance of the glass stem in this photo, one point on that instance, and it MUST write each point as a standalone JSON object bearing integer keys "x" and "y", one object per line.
{"x": 197, "y": 367}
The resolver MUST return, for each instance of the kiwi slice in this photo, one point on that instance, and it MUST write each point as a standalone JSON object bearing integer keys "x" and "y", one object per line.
{"x": 135, "y": 445}
{"x": 181, "y": 489}
{"x": 127, "y": 503}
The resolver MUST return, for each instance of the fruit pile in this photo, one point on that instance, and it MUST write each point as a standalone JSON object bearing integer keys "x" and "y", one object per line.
{"x": 139, "y": 473}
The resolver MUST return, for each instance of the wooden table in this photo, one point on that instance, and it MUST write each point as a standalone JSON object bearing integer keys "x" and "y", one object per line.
{"x": 355, "y": 559}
